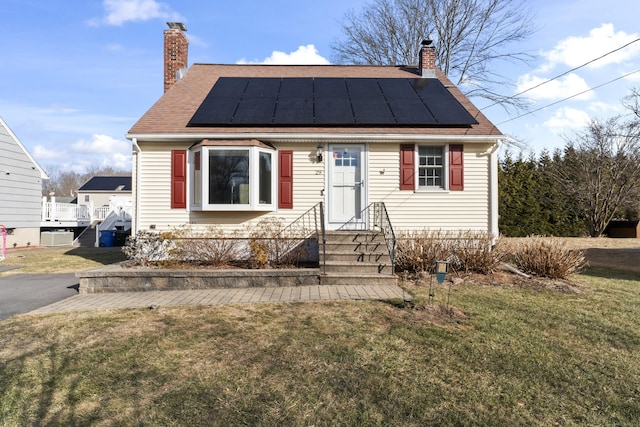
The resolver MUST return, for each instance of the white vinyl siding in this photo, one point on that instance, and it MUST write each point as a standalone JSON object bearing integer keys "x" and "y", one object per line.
{"x": 155, "y": 188}
{"x": 445, "y": 210}
{"x": 409, "y": 210}
{"x": 154, "y": 191}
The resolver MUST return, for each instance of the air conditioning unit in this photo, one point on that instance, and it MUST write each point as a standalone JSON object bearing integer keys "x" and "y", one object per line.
{"x": 56, "y": 238}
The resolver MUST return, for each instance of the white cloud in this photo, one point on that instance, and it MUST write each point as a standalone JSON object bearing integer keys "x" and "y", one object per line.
{"x": 100, "y": 150}
{"x": 101, "y": 144}
{"x": 45, "y": 155}
{"x": 605, "y": 109}
{"x": 119, "y": 161}
{"x": 118, "y": 12}
{"x": 561, "y": 88}
{"x": 567, "y": 118}
{"x": 576, "y": 51}
{"x": 305, "y": 55}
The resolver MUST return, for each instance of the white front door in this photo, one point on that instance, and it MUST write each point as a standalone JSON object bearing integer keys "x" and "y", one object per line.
{"x": 347, "y": 194}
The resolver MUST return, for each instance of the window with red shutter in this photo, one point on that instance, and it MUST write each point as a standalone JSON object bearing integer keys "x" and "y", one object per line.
{"x": 285, "y": 179}
{"x": 178, "y": 179}
{"x": 407, "y": 167}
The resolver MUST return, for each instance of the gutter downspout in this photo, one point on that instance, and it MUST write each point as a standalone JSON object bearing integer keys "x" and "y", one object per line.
{"x": 493, "y": 190}
{"x": 493, "y": 194}
{"x": 137, "y": 159}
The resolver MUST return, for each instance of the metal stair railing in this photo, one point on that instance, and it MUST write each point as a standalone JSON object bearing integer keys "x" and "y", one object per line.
{"x": 309, "y": 224}
{"x": 375, "y": 218}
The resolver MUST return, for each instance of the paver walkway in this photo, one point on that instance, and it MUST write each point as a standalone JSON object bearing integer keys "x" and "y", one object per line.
{"x": 106, "y": 301}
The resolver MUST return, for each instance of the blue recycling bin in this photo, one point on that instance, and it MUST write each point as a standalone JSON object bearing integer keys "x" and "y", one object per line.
{"x": 107, "y": 238}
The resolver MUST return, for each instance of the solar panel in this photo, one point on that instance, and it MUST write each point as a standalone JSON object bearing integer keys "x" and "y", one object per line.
{"x": 306, "y": 101}
{"x": 296, "y": 88}
{"x": 252, "y": 111}
{"x": 295, "y": 102}
{"x": 330, "y": 88}
{"x": 293, "y": 111}
{"x": 411, "y": 111}
{"x": 372, "y": 111}
{"x": 448, "y": 111}
{"x": 363, "y": 88}
{"x": 397, "y": 88}
{"x": 229, "y": 87}
{"x": 333, "y": 111}
{"x": 262, "y": 88}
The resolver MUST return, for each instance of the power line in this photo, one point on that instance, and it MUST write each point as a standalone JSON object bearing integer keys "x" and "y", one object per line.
{"x": 569, "y": 97}
{"x": 563, "y": 74}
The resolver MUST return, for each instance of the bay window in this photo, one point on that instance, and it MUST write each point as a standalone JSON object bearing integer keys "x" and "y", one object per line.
{"x": 232, "y": 177}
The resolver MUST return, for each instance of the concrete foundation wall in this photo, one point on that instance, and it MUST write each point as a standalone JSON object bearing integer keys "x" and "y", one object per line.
{"x": 23, "y": 237}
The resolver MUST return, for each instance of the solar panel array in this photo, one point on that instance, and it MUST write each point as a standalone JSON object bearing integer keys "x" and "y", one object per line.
{"x": 302, "y": 101}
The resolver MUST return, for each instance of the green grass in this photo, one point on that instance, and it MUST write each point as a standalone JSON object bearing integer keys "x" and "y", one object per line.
{"x": 505, "y": 356}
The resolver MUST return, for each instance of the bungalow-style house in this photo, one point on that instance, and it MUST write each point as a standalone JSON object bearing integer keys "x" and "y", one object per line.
{"x": 233, "y": 144}
{"x": 20, "y": 191}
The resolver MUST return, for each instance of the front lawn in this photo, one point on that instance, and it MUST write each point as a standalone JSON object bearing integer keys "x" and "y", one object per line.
{"x": 498, "y": 354}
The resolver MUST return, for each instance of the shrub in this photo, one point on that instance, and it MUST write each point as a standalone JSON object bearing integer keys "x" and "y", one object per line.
{"x": 209, "y": 246}
{"x": 467, "y": 251}
{"x": 266, "y": 244}
{"x": 419, "y": 250}
{"x": 273, "y": 244}
{"x": 184, "y": 244}
{"x": 544, "y": 256}
{"x": 476, "y": 251}
{"x": 147, "y": 248}
{"x": 259, "y": 253}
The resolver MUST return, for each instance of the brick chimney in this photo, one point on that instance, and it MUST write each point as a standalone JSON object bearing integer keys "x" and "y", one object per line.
{"x": 176, "y": 50}
{"x": 427, "y": 63}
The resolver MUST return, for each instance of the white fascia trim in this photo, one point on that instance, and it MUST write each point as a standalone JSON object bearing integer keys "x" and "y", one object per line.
{"x": 43, "y": 174}
{"x": 479, "y": 139}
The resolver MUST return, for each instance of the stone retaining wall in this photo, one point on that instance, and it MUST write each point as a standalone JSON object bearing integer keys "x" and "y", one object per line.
{"x": 115, "y": 278}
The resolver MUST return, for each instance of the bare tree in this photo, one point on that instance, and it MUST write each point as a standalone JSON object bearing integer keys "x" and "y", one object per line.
{"x": 632, "y": 102}
{"x": 471, "y": 37}
{"x": 601, "y": 170}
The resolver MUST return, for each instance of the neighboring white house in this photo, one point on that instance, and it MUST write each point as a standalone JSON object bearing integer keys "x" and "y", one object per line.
{"x": 100, "y": 190}
{"x": 20, "y": 191}
{"x": 233, "y": 144}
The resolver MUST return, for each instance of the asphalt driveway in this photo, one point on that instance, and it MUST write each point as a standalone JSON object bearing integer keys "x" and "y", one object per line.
{"x": 22, "y": 293}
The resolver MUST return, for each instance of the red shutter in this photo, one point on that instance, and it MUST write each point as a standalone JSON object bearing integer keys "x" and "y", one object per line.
{"x": 456, "y": 168}
{"x": 285, "y": 179}
{"x": 178, "y": 179}
{"x": 407, "y": 167}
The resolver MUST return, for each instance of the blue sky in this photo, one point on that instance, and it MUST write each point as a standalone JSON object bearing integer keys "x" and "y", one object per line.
{"x": 77, "y": 74}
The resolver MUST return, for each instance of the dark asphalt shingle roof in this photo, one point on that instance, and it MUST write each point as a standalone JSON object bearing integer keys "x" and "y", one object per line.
{"x": 107, "y": 183}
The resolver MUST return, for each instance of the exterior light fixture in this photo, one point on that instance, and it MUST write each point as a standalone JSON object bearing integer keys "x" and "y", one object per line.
{"x": 319, "y": 152}
{"x": 442, "y": 268}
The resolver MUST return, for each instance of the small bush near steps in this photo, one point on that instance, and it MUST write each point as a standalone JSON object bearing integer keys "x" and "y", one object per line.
{"x": 466, "y": 251}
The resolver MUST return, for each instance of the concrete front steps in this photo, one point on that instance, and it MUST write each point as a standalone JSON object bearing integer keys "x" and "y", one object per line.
{"x": 355, "y": 258}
